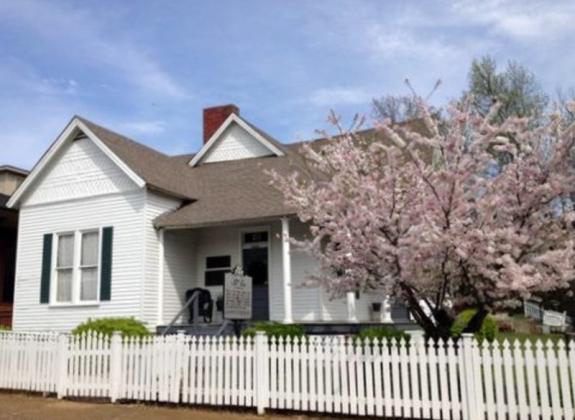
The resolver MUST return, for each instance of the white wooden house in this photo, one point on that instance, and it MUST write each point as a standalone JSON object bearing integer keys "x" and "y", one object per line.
{"x": 110, "y": 227}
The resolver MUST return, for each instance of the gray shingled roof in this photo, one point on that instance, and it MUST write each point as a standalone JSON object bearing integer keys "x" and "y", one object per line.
{"x": 230, "y": 191}
{"x": 214, "y": 193}
{"x": 155, "y": 168}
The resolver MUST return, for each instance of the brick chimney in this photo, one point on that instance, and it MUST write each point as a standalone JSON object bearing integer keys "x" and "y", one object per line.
{"x": 215, "y": 116}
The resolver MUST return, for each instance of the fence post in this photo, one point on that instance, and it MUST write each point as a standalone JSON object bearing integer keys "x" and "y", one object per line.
{"x": 62, "y": 365}
{"x": 468, "y": 381}
{"x": 261, "y": 371}
{"x": 115, "y": 366}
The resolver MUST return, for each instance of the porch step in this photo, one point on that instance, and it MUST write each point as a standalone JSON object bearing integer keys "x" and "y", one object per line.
{"x": 196, "y": 329}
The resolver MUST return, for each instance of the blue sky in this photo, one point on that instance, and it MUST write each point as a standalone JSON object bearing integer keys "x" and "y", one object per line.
{"x": 147, "y": 68}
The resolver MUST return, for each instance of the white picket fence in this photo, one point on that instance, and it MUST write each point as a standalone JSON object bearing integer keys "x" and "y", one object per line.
{"x": 394, "y": 379}
{"x": 549, "y": 318}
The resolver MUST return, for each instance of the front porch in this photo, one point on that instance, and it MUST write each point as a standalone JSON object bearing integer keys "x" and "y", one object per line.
{"x": 199, "y": 258}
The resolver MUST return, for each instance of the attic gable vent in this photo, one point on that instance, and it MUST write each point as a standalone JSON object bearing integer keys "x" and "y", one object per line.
{"x": 80, "y": 136}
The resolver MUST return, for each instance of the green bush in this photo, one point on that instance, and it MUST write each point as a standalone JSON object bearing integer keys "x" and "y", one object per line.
{"x": 380, "y": 333}
{"x": 488, "y": 330}
{"x": 127, "y": 327}
{"x": 275, "y": 329}
{"x": 4, "y": 328}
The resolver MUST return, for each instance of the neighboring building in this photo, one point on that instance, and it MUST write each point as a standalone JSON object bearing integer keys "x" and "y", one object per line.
{"x": 10, "y": 179}
{"x": 110, "y": 227}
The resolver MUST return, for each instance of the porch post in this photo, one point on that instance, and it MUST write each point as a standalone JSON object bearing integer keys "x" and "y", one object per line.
{"x": 286, "y": 266}
{"x": 161, "y": 262}
{"x": 386, "y": 310}
{"x": 351, "y": 311}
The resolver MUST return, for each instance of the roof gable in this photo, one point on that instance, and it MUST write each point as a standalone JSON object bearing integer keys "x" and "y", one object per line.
{"x": 74, "y": 128}
{"x": 236, "y": 139}
{"x": 79, "y": 170}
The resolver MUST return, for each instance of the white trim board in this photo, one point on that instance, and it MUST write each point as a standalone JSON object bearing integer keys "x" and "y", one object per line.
{"x": 233, "y": 118}
{"x": 66, "y": 136}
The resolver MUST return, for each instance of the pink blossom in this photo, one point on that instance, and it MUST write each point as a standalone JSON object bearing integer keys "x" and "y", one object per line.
{"x": 435, "y": 215}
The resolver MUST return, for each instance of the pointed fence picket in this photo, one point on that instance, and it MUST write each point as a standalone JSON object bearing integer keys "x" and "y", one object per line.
{"x": 387, "y": 378}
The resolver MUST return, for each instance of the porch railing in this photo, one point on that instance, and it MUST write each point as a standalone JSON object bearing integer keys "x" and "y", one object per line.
{"x": 190, "y": 301}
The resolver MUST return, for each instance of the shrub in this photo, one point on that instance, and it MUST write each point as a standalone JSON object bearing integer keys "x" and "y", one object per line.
{"x": 4, "y": 328}
{"x": 275, "y": 329}
{"x": 127, "y": 327}
{"x": 487, "y": 331}
{"x": 380, "y": 333}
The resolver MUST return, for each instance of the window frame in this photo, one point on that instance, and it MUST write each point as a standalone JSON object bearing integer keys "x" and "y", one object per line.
{"x": 57, "y": 269}
{"x": 227, "y": 269}
{"x": 77, "y": 268}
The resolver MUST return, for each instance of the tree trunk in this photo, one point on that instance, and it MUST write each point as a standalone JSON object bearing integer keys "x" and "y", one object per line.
{"x": 444, "y": 323}
{"x": 437, "y": 327}
{"x": 476, "y": 321}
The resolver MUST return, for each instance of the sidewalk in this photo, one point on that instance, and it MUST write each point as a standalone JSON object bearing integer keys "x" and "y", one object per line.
{"x": 27, "y": 407}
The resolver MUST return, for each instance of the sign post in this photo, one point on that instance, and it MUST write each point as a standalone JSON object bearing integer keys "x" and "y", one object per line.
{"x": 237, "y": 299}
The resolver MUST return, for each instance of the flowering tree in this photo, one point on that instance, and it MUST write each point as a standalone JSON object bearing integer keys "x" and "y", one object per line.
{"x": 432, "y": 218}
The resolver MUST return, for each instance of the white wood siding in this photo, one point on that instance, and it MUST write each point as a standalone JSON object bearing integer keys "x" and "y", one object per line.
{"x": 235, "y": 143}
{"x": 81, "y": 170}
{"x": 81, "y": 189}
{"x": 179, "y": 271}
{"x": 122, "y": 211}
{"x": 155, "y": 205}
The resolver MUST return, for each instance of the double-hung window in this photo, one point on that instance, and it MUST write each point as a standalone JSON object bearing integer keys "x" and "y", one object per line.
{"x": 65, "y": 268}
{"x": 77, "y": 267}
{"x": 90, "y": 256}
{"x": 216, "y": 269}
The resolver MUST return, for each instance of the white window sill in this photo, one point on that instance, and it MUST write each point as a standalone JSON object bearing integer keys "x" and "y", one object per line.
{"x": 74, "y": 305}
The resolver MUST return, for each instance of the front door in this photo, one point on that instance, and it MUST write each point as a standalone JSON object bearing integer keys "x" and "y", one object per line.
{"x": 255, "y": 258}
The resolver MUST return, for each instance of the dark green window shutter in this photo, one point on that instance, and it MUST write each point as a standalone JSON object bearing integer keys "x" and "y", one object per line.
{"x": 46, "y": 269}
{"x": 106, "y": 267}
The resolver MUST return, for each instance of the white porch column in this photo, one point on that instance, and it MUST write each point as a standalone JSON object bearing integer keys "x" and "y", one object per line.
{"x": 386, "y": 311}
{"x": 286, "y": 269}
{"x": 161, "y": 262}
{"x": 351, "y": 310}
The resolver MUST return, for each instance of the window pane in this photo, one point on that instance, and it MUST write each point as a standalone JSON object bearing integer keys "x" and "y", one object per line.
{"x": 223, "y": 261}
{"x": 215, "y": 278}
{"x": 89, "y": 248}
{"x": 89, "y": 286}
{"x": 65, "y": 250}
{"x": 254, "y": 237}
{"x": 64, "y": 290}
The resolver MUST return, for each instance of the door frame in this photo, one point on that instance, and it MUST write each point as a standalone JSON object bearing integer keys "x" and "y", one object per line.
{"x": 253, "y": 229}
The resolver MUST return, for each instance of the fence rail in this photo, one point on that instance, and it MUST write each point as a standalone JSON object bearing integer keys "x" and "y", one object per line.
{"x": 547, "y": 317}
{"x": 463, "y": 380}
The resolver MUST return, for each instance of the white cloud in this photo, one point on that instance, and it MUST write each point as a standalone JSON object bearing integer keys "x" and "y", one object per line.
{"x": 386, "y": 41}
{"x": 74, "y": 34}
{"x": 340, "y": 96}
{"x": 520, "y": 19}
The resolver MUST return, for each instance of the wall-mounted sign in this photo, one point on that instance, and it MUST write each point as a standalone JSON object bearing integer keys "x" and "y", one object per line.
{"x": 237, "y": 296}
